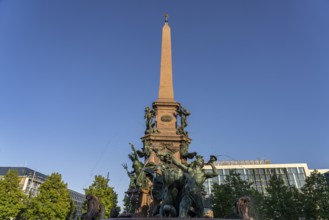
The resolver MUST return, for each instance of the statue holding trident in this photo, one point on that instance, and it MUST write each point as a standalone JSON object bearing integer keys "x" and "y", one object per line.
{"x": 137, "y": 176}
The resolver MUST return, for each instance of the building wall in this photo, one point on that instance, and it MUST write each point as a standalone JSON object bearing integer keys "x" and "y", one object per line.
{"x": 260, "y": 173}
{"x": 78, "y": 199}
{"x": 30, "y": 179}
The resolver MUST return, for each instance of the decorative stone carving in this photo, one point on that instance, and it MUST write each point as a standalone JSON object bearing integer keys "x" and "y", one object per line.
{"x": 166, "y": 118}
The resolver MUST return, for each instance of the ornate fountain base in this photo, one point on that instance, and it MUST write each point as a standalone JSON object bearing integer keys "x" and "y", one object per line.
{"x": 142, "y": 218}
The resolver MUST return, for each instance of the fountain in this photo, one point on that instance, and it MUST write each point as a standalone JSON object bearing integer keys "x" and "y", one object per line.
{"x": 166, "y": 184}
{"x": 163, "y": 183}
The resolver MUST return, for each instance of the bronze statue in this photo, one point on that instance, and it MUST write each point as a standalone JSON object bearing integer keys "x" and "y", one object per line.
{"x": 150, "y": 125}
{"x": 146, "y": 150}
{"x": 172, "y": 180}
{"x": 195, "y": 176}
{"x": 167, "y": 185}
{"x": 183, "y": 113}
{"x": 177, "y": 187}
{"x": 148, "y": 119}
{"x": 168, "y": 211}
{"x": 137, "y": 176}
{"x": 95, "y": 210}
{"x": 184, "y": 152}
{"x": 241, "y": 207}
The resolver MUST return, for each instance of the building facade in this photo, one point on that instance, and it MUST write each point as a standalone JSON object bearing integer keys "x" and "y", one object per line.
{"x": 259, "y": 172}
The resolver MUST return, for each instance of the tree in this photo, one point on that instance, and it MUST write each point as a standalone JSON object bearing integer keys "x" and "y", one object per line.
{"x": 129, "y": 206}
{"x": 52, "y": 201}
{"x": 316, "y": 197}
{"x": 225, "y": 195}
{"x": 105, "y": 194}
{"x": 281, "y": 201}
{"x": 72, "y": 212}
{"x": 12, "y": 197}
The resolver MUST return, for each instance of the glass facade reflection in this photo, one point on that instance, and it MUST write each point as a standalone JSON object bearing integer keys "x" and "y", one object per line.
{"x": 259, "y": 174}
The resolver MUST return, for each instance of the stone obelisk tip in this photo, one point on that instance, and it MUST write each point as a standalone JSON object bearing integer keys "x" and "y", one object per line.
{"x": 166, "y": 90}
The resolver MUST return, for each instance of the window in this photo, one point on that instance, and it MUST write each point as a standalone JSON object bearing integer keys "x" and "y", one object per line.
{"x": 214, "y": 179}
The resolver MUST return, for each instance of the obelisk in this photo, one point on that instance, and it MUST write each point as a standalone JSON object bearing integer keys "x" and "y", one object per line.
{"x": 166, "y": 90}
{"x": 165, "y": 134}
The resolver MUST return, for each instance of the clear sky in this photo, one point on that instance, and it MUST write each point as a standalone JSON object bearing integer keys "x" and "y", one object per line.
{"x": 75, "y": 77}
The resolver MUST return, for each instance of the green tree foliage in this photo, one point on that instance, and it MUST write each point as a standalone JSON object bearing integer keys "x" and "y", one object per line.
{"x": 225, "y": 195}
{"x": 72, "y": 212}
{"x": 52, "y": 201}
{"x": 115, "y": 212}
{"x": 316, "y": 197}
{"x": 129, "y": 206}
{"x": 12, "y": 197}
{"x": 105, "y": 193}
{"x": 281, "y": 202}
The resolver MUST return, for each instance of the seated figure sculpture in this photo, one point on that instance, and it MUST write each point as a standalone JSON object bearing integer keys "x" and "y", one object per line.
{"x": 242, "y": 207}
{"x": 95, "y": 210}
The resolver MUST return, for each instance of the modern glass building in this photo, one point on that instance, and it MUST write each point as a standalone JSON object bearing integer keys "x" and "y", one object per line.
{"x": 259, "y": 172}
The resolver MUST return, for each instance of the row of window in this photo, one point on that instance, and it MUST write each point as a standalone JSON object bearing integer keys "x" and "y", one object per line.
{"x": 296, "y": 170}
{"x": 260, "y": 177}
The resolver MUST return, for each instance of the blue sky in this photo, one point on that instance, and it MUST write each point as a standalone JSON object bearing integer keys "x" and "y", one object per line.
{"x": 75, "y": 77}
